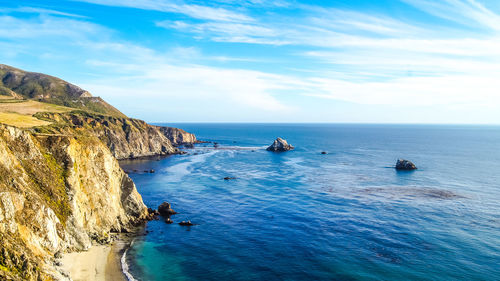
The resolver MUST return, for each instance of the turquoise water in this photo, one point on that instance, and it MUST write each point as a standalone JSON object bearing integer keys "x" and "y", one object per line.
{"x": 347, "y": 215}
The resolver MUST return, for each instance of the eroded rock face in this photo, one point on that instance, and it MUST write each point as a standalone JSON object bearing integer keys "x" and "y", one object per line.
{"x": 125, "y": 137}
{"x": 403, "y": 164}
{"x": 280, "y": 145}
{"x": 58, "y": 193}
{"x": 178, "y": 136}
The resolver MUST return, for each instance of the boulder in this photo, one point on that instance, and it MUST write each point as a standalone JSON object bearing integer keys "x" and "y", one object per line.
{"x": 405, "y": 165}
{"x": 165, "y": 210}
{"x": 152, "y": 214}
{"x": 280, "y": 145}
{"x": 169, "y": 221}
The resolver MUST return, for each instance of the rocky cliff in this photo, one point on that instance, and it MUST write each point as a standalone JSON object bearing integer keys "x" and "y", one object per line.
{"x": 61, "y": 186}
{"x": 125, "y": 137}
{"x": 178, "y": 136}
{"x": 58, "y": 192}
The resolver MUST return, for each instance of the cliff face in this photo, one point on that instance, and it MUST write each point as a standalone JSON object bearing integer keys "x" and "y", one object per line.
{"x": 125, "y": 137}
{"x": 60, "y": 183}
{"x": 58, "y": 192}
{"x": 178, "y": 136}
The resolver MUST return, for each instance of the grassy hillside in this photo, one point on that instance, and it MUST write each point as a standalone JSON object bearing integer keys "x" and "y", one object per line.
{"x": 19, "y": 113}
{"x": 19, "y": 84}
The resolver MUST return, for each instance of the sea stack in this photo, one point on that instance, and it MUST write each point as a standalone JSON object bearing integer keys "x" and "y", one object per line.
{"x": 165, "y": 210}
{"x": 280, "y": 145}
{"x": 405, "y": 165}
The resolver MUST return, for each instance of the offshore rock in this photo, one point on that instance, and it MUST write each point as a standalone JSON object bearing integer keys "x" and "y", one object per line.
{"x": 405, "y": 165}
{"x": 280, "y": 145}
{"x": 166, "y": 210}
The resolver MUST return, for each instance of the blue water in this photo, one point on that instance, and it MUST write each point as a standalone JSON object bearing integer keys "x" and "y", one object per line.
{"x": 346, "y": 215}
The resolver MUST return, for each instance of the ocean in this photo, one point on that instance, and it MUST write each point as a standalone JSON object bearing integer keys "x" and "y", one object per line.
{"x": 344, "y": 215}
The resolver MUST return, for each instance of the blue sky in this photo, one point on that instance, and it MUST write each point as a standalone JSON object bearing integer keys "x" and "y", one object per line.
{"x": 406, "y": 61}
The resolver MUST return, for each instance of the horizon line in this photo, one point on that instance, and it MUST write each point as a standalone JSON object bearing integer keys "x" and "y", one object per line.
{"x": 320, "y": 123}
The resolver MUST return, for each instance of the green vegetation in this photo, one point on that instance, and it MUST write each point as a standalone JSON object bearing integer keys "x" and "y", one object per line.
{"x": 44, "y": 88}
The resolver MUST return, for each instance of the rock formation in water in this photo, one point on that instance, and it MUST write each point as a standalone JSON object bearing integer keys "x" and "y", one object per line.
{"x": 405, "y": 165}
{"x": 166, "y": 210}
{"x": 61, "y": 186}
{"x": 280, "y": 145}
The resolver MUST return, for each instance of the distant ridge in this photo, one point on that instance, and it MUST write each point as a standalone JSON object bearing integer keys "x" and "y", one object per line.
{"x": 20, "y": 84}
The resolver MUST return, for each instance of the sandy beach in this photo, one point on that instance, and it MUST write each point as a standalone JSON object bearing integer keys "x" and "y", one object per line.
{"x": 99, "y": 263}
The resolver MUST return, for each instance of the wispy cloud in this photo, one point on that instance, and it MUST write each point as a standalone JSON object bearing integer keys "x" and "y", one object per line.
{"x": 34, "y": 10}
{"x": 467, "y": 12}
{"x": 191, "y": 10}
{"x": 228, "y": 32}
{"x": 331, "y": 54}
{"x": 45, "y": 26}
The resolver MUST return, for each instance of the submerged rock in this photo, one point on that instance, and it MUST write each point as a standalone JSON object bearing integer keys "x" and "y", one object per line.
{"x": 166, "y": 210}
{"x": 405, "y": 165}
{"x": 280, "y": 145}
{"x": 186, "y": 223}
{"x": 169, "y": 221}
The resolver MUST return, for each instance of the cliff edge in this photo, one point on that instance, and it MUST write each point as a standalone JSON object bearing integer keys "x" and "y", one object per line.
{"x": 58, "y": 193}
{"x": 61, "y": 186}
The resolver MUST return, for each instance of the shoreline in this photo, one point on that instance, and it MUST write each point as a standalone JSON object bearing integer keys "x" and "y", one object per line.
{"x": 100, "y": 262}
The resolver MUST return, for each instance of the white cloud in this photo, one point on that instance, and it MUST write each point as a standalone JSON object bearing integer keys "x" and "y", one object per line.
{"x": 358, "y": 58}
{"x": 194, "y": 11}
{"x": 468, "y": 12}
{"x": 228, "y": 31}
{"x": 446, "y": 91}
{"x": 47, "y": 26}
{"x": 34, "y": 10}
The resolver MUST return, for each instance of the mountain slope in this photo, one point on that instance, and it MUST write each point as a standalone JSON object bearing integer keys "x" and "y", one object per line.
{"x": 41, "y": 87}
{"x": 24, "y": 102}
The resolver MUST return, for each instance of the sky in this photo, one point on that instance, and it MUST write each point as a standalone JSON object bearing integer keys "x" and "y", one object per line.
{"x": 350, "y": 61}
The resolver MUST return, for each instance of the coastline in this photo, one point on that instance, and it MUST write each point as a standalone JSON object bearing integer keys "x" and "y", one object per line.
{"x": 100, "y": 262}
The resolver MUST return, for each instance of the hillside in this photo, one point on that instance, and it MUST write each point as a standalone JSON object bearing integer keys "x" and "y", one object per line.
{"x": 20, "y": 84}
{"x": 49, "y": 105}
